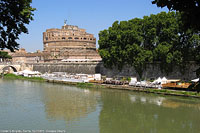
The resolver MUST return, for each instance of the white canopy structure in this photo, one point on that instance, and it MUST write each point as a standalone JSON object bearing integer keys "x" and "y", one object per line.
{"x": 27, "y": 73}
{"x": 195, "y": 80}
{"x": 159, "y": 80}
{"x": 163, "y": 80}
{"x": 133, "y": 81}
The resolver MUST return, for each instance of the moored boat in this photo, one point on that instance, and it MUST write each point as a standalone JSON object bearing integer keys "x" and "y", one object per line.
{"x": 176, "y": 84}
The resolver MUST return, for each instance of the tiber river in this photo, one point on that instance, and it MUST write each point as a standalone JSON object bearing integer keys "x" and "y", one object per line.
{"x": 35, "y": 106}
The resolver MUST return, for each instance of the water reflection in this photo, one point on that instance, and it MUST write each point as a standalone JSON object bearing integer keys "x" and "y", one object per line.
{"x": 31, "y": 105}
{"x": 138, "y": 112}
{"x": 69, "y": 103}
{"x": 170, "y": 102}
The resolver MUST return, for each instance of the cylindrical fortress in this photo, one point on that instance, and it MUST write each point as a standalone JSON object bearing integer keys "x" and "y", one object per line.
{"x": 70, "y": 42}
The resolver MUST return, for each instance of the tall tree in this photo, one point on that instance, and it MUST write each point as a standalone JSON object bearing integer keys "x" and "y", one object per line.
{"x": 190, "y": 10}
{"x": 154, "y": 38}
{"x": 190, "y": 16}
{"x": 14, "y": 14}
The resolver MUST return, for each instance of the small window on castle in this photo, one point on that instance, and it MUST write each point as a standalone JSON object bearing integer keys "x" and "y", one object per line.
{"x": 46, "y": 38}
{"x": 76, "y": 38}
{"x": 69, "y": 37}
{"x": 81, "y": 38}
{"x": 90, "y": 38}
{"x": 63, "y": 38}
{"x": 85, "y": 38}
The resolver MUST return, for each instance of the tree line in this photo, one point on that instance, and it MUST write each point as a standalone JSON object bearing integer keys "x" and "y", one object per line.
{"x": 4, "y": 56}
{"x": 156, "y": 38}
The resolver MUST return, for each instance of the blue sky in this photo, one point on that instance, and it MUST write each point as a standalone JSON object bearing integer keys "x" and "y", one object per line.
{"x": 92, "y": 15}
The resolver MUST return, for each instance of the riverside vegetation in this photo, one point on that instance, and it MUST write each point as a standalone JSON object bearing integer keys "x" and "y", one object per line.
{"x": 13, "y": 76}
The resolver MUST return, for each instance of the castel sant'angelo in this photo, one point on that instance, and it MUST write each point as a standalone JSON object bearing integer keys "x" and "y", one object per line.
{"x": 68, "y": 44}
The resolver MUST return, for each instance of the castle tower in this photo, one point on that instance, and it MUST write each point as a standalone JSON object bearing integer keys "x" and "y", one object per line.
{"x": 70, "y": 42}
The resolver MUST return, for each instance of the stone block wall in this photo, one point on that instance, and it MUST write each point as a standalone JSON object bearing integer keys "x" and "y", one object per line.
{"x": 151, "y": 71}
{"x": 80, "y": 67}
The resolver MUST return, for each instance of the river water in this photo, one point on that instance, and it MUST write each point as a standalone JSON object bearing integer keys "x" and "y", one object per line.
{"x": 30, "y": 106}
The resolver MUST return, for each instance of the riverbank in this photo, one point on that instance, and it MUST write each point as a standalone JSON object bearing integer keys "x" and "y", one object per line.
{"x": 109, "y": 86}
{"x": 131, "y": 88}
{"x": 13, "y": 76}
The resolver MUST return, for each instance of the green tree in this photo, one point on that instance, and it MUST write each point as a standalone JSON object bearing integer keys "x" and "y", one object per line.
{"x": 155, "y": 38}
{"x": 14, "y": 14}
{"x": 4, "y": 55}
{"x": 190, "y": 10}
{"x": 190, "y": 16}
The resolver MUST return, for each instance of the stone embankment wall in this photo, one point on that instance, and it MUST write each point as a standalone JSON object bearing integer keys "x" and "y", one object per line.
{"x": 151, "y": 71}
{"x": 76, "y": 67}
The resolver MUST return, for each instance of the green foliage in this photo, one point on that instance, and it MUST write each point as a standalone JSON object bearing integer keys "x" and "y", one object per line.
{"x": 13, "y": 76}
{"x": 85, "y": 85}
{"x": 89, "y": 85}
{"x": 189, "y": 9}
{"x": 154, "y": 38}
{"x": 4, "y": 55}
{"x": 14, "y": 15}
{"x": 173, "y": 92}
{"x": 129, "y": 79}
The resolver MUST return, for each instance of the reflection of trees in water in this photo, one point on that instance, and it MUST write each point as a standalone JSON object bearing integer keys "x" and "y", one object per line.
{"x": 166, "y": 102}
{"x": 141, "y": 113}
{"x": 176, "y": 104}
{"x": 68, "y": 103}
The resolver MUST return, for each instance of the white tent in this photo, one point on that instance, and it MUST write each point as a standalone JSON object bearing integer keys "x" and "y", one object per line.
{"x": 26, "y": 73}
{"x": 195, "y": 80}
{"x": 164, "y": 80}
{"x": 133, "y": 81}
{"x": 159, "y": 80}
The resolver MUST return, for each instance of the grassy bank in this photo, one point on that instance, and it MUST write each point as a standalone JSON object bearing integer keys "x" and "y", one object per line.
{"x": 174, "y": 92}
{"x": 85, "y": 85}
{"x": 13, "y": 76}
{"x": 80, "y": 85}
